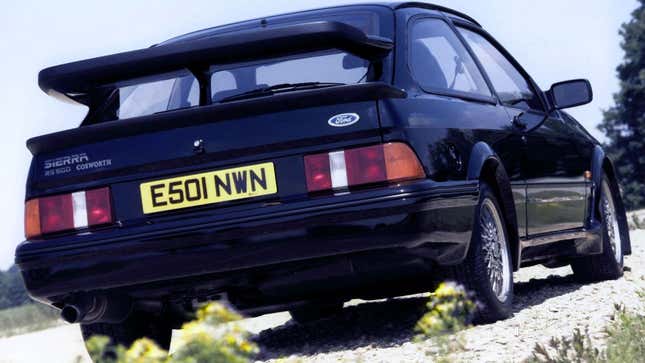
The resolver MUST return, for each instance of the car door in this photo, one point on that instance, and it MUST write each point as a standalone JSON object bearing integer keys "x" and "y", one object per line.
{"x": 553, "y": 167}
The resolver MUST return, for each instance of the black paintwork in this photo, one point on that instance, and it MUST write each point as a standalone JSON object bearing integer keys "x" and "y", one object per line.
{"x": 293, "y": 246}
{"x": 65, "y": 140}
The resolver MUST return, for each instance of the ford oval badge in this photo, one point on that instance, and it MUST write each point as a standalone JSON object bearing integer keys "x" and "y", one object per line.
{"x": 343, "y": 119}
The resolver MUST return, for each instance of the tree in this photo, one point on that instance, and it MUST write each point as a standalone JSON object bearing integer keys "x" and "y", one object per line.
{"x": 624, "y": 124}
{"x": 12, "y": 289}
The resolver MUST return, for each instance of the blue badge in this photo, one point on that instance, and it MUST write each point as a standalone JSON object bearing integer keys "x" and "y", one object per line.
{"x": 343, "y": 119}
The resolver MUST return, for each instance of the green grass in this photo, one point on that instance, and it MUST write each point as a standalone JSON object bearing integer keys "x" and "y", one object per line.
{"x": 27, "y": 318}
{"x": 626, "y": 341}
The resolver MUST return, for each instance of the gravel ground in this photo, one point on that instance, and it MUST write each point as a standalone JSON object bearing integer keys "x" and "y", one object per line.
{"x": 547, "y": 303}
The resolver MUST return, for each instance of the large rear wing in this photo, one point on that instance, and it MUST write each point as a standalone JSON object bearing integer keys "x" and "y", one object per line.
{"x": 76, "y": 80}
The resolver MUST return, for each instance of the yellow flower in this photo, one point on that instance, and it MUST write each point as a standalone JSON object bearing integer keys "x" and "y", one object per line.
{"x": 145, "y": 351}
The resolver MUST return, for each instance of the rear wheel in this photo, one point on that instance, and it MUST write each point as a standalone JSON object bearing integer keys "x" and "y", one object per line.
{"x": 137, "y": 325}
{"x": 487, "y": 270}
{"x": 609, "y": 264}
{"x": 315, "y": 311}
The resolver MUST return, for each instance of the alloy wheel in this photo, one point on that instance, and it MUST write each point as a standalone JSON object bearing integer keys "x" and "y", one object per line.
{"x": 495, "y": 249}
{"x": 611, "y": 221}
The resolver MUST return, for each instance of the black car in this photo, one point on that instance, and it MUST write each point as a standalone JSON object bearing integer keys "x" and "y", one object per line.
{"x": 299, "y": 161}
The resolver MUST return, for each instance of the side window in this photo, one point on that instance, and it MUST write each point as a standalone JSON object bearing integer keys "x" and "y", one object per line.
{"x": 512, "y": 88}
{"x": 440, "y": 62}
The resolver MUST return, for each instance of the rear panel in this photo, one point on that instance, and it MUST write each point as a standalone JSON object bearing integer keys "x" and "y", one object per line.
{"x": 281, "y": 138}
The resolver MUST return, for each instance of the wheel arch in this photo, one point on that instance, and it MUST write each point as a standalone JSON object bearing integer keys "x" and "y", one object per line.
{"x": 484, "y": 165}
{"x": 602, "y": 165}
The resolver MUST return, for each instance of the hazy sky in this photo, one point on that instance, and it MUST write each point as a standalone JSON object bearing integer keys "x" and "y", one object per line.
{"x": 555, "y": 40}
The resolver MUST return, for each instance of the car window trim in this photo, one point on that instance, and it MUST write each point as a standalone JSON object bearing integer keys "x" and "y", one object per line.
{"x": 462, "y": 24}
{"x": 452, "y": 22}
{"x": 468, "y": 96}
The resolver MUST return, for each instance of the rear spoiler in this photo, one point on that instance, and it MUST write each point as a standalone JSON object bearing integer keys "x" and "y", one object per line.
{"x": 77, "y": 79}
{"x": 216, "y": 112}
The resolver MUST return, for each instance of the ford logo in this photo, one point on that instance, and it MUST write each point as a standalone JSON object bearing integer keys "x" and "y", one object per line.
{"x": 343, "y": 119}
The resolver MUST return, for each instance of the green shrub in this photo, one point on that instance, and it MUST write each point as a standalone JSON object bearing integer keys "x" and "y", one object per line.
{"x": 449, "y": 310}
{"x": 203, "y": 340}
{"x": 579, "y": 348}
{"x": 12, "y": 289}
{"x": 626, "y": 337}
{"x": 625, "y": 343}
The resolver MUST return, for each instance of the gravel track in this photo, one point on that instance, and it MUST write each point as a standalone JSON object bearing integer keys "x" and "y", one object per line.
{"x": 548, "y": 302}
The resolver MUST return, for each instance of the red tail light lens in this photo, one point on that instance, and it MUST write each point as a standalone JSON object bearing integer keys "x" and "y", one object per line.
{"x": 365, "y": 165}
{"x": 318, "y": 173}
{"x": 99, "y": 208}
{"x": 390, "y": 162}
{"x": 67, "y": 212}
{"x": 56, "y": 213}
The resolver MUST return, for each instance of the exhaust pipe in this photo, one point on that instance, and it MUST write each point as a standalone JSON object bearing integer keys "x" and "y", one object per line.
{"x": 71, "y": 314}
{"x": 88, "y": 309}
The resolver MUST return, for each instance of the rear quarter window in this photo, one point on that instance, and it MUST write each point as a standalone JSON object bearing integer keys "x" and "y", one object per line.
{"x": 440, "y": 63}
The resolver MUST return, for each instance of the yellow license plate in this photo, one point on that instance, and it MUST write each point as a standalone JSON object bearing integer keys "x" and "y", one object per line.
{"x": 208, "y": 188}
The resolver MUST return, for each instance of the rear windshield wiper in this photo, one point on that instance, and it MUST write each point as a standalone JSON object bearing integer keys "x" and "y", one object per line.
{"x": 278, "y": 88}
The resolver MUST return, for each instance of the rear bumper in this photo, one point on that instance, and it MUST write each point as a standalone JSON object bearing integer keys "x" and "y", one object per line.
{"x": 432, "y": 219}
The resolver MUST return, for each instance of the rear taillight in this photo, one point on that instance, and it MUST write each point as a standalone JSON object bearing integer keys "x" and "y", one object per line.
{"x": 392, "y": 162}
{"x": 99, "y": 206}
{"x": 67, "y": 212}
{"x": 318, "y": 172}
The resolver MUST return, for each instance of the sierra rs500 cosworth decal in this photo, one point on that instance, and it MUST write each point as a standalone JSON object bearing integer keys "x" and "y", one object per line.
{"x": 67, "y": 163}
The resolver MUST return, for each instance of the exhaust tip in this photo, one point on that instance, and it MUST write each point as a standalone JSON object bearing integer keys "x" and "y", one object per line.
{"x": 70, "y": 314}
{"x": 96, "y": 309}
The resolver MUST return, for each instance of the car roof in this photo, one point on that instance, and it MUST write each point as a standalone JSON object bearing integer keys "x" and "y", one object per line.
{"x": 416, "y": 4}
{"x": 392, "y": 5}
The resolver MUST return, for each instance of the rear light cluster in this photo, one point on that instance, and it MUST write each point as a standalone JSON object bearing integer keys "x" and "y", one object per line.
{"x": 66, "y": 212}
{"x": 392, "y": 162}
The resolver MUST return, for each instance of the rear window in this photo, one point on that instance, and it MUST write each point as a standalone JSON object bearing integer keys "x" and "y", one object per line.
{"x": 327, "y": 67}
{"x": 164, "y": 93}
{"x": 161, "y": 93}
{"x": 141, "y": 97}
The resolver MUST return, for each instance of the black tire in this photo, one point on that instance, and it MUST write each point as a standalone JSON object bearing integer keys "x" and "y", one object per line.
{"x": 137, "y": 325}
{"x": 315, "y": 311}
{"x": 609, "y": 264}
{"x": 473, "y": 272}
